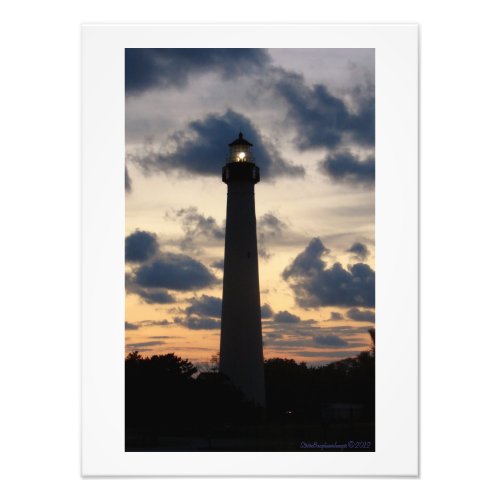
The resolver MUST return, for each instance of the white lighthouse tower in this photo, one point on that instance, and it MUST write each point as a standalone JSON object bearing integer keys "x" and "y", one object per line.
{"x": 241, "y": 357}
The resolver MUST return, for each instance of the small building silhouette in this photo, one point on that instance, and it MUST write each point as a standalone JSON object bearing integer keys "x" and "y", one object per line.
{"x": 342, "y": 412}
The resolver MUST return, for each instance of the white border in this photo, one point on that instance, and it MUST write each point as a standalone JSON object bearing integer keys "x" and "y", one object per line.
{"x": 396, "y": 246}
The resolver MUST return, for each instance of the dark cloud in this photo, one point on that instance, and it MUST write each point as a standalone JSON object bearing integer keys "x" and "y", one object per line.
{"x": 302, "y": 330}
{"x": 128, "y": 181}
{"x": 269, "y": 228}
{"x": 264, "y": 253}
{"x": 321, "y": 355}
{"x": 140, "y": 345}
{"x": 285, "y": 344}
{"x": 140, "y": 246}
{"x": 174, "y": 272}
{"x": 154, "y": 296}
{"x": 197, "y": 323}
{"x": 308, "y": 262}
{"x": 330, "y": 340}
{"x": 315, "y": 284}
{"x": 349, "y": 169}
{"x": 152, "y": 322}
{"x": 360, "y": 250}
{"x": 197, "y": 227}
{"x": 218, "y": 264}
{"x": 148, "y": 295}
{"x": 266, "y": 312}
{"x": 304, "y": 335}
{"x": 361, "y": 315}
{"x": 147, "y": 322}
{"x": 335, "y": 316}
{"x": 203, "y": 313}
{"x": 205, "y": 305}
{"x": 322, "y": 119}
{"x": 200, "y": 149}
{"x": 157, "y": 68}
{"x": 286, "y": 317}
{"x": 347, "y": 330}
{"x": 272, "y": 335}
{"x": 316, "y": 338}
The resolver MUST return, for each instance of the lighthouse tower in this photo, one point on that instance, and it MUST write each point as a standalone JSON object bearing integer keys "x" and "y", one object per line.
{"x": 241, "y": 357}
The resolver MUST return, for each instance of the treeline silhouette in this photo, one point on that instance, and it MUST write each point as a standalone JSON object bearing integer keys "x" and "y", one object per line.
{"x": 171, "y": 405}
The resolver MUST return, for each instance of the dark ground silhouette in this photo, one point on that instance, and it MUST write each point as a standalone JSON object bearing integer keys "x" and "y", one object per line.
{"x": 171, "y": 406}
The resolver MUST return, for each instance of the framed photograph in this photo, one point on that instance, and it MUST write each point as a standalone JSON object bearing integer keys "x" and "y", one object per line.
{"x": 242, "y": 187}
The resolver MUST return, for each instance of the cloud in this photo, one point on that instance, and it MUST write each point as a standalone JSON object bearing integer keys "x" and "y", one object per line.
{"x": 153, "y": 279}
{"x": 174, "y": 272}
{"x": 264, "y": 253}
{"x": 336, "y": 316}
{"x": 361, "y": 315}
{"x": 269, "y": 228}
{"x": 218, "y": 264}
{"x": 128, "y": 181}
{"x": 330, "y": 340}
{"x": 347, "y": 168}
{"x": 265, "y": 311}
{"x": 205, "y": 305}
{"x": 286, "y": 317}
{"x": 322, "y": 355}
{"x": 306, "y": 335}
{"x": 152, "y": 322}
{"x": 197, "y": 323}
{"x": 154, "y": 296}
{"x": 197, "y": 227}
{"x": 148, "y": 295}
{"x": 316, "y": 285}
{"x": 140, "y": 345}
{"x": 200, "y": 150}
{"x": 360, "y": 250}
{"x": 203, "y": 313}
{"x": 321, "y": 118}
{"x": 308, "y": 262}
{"x": 156, "y": 68}
{"x": 147, "y": 322}
{"x": 348, "y": 330}
{"x": 140, "y": 246}
{"x": 304, "y": 330}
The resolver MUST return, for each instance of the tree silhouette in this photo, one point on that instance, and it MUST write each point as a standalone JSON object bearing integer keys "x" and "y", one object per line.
{"x": 215, "y": 362}
{"x": 371, "y": 331}
{"x": 170, "y": 405}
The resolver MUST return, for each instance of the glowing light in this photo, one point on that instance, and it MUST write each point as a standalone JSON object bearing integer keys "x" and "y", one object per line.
{"x": 241, "y": 156}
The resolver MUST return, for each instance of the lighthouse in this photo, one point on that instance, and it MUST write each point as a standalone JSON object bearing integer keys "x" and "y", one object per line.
{"x": 241, "y": 357}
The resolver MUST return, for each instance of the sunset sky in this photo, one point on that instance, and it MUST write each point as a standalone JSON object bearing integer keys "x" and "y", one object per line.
{"x": 310, "y": 114}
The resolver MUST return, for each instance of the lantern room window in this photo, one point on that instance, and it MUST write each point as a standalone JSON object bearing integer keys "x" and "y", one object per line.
{"x": 240, "y": 150}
